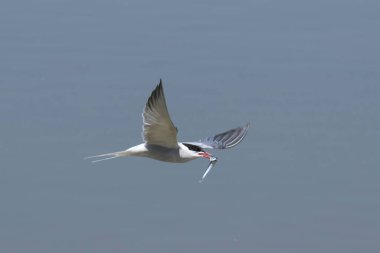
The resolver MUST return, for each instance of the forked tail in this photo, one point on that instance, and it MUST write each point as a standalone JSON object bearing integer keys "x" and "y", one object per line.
{"x": 108, "y": 156}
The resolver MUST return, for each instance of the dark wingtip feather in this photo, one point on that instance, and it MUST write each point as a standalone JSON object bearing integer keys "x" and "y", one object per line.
{"x": 239, "y": 137}
{"x": 156, "y": 93}
{"x": 227, "y": 139}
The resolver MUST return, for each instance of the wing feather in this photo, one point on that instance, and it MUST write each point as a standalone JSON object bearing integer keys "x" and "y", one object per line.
{"x": 227, "y": 139}
{"x": 158, "y": 128}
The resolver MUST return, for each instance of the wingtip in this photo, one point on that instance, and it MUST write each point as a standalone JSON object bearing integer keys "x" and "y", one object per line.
{"x": 159, "y": 86}
{"x": 245, "y": 129}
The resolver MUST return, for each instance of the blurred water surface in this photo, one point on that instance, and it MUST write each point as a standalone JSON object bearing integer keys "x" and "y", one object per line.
{"x": 75, "y": 75}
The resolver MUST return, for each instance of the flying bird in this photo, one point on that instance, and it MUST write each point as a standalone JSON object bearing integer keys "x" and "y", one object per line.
{"x": 160, "y": 137}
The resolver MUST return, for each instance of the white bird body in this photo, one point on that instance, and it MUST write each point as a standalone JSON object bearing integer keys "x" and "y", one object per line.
{"x": 174, "y": 155}
{"x": 160, "y": 137}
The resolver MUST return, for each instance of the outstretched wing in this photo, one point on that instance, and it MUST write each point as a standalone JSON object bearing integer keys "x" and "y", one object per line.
{"x": 158, "y": 128}
{"x": 223, "y": 140}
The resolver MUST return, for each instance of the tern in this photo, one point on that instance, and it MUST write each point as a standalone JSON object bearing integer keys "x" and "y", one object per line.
{"x": 160, "y": 137}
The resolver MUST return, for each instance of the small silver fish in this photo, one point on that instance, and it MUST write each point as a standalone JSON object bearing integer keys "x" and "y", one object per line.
{"x": 213, "y": 161}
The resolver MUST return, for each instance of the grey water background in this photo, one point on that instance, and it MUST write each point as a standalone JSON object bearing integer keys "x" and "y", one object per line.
{"x": 75, "y": 75}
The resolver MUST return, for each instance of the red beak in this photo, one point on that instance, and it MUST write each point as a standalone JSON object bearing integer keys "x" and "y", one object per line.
{"x": 206, "y": 155}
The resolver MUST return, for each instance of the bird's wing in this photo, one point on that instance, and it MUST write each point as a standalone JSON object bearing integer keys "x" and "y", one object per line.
{"x": 223, "y": 140}
{"x": 158, "y": 129}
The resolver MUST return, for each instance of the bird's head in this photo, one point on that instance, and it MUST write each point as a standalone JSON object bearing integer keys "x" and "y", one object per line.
{"x": 196, "y": 151}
